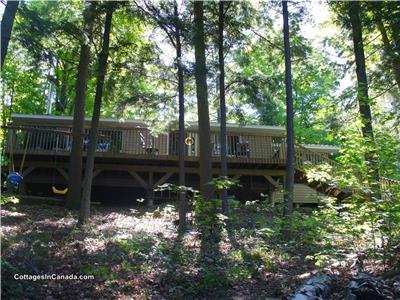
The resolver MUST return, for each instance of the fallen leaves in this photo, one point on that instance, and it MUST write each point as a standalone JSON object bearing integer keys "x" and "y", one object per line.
{"x": 137, "y": 254}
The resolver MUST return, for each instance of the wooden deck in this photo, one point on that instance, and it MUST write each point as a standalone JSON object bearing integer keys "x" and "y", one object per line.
{"x": 257, "y": 155}
{"x": 139, "y": 143}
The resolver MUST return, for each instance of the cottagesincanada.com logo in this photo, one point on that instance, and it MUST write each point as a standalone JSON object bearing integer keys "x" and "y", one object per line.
{"x": 35, "y": 277}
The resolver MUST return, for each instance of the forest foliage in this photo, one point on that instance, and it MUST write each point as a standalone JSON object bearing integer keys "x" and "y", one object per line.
{"x": 44, "y": 49}
{"x": 40, "y": 71}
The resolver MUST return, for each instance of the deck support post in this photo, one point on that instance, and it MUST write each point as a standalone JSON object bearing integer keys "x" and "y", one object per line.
{"x": 270, "y": 193}
{"x": 150, "y": 191}
{"x": 272, "y": 182}
{"x": 138, "y": 178}
{"x": 27, "y": 171}
{"x": 273, "y": 185}
{"x": 10, "y": 188}
{"x": 22, "y": 189}
{"x": 163, "y": 179}
{"x": 63, "y": 173}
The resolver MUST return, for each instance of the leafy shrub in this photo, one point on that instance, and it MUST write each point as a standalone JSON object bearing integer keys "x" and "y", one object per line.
{"x": 9, "y": 199}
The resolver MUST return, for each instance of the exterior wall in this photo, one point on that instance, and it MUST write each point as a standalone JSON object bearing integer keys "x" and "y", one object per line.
{"x": 141, "y": 142}
{"x": 260, "y": 148}
{"x": 131, "y": 142}
{"x": 302, "y": 194}
{"x": 161, "y": 143}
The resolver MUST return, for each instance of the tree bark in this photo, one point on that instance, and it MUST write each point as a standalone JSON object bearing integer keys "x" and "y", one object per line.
{"x": 289, "y": 179}
{"x": 362, "y": 82}
{"x": 202, "y": 101}
{"x": 61, "y": 90}
{"x": 6, "y": 27}
{"x": 75, "y": 163}
{"x": 181, "y": 96}
{"x": 224, "y": 164}
{"x": 395, "y": 26}
{"x": 365, "y": 286}
{"x": 91, "y": 152}
{"x": 318, "y": 286}
{"x": 394, "y": 59}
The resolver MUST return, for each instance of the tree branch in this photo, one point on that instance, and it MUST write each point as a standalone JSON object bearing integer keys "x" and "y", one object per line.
{"x": 267, "y": 40}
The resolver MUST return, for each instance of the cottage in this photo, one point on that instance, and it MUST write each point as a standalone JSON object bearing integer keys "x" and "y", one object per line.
{"x": 131, "y": 161}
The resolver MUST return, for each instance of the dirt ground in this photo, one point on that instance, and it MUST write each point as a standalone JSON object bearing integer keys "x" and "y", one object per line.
{"x": 135, "y": 253}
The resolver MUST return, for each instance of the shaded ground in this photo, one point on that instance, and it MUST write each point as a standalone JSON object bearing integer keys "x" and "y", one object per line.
{"x": 137, "y": 254}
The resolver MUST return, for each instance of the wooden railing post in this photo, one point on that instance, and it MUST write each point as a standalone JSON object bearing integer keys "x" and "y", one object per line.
{"x": 140, "y": 141}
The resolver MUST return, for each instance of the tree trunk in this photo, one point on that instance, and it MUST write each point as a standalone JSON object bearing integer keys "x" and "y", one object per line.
{"x": 318, "y": 286}
{"x": 181, "y": 96}
{"x": 289, "y": 180}
{"x": 224, "y": 165}
{"x": 6, "y": 27}
{"x": 75, "y": 163}
{"x": 393, "y": 58}
{"x": 362, "y": 91}
{"x": 365, "y": 286}
{"x": 61, "y": 84}
{"x": 91, "y": 152}
{"x": 6, "y": 115}
{"x": 202, "y": 101}
{"x": 395, "y": 26}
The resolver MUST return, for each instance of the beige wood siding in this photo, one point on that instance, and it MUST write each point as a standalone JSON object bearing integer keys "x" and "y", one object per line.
{"x": 136, "y": 142}
{"x": 302, "y": 194}
{"x": 131, "y": 142}
{"x": 161, "y": 143}
{"x": 259, "y": 147}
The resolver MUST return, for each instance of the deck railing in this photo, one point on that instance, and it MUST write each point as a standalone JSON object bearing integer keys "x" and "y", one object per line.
{"x": 142, "y": 143}
{"x": 305, "y": 158}
{"x": 308, "y": 158}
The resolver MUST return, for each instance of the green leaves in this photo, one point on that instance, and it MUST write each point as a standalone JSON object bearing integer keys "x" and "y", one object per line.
{"x": 175, "y": 188}
{"x": 224, "y": 182}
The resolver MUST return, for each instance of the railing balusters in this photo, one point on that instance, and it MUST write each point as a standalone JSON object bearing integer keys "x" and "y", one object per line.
{"x": 140, "y": 141}
{"x": 47, "y": 144}
{"x": 44, "y": 141}
{"x": 40, "y": 140}
{"x": 33, "y": 141}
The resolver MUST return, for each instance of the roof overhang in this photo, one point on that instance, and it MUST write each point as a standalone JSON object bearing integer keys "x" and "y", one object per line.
{"x": 51, "y": 120}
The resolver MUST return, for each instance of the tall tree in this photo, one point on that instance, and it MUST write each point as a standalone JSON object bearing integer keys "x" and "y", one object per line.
{"x": 392, "y": 56}
{"x": 91, "y": 152}
{"x": 224, "y": 164}
{"x": 52, "y": 42}
{"x": 202, "y": 100}
{"x": 173, "y": 26}
{"x": 181, "y": 96}
{"x": 6, "y": 26}
{"x": 385, "y": 17}
{"x": 362, "y": 82}
{"x": 75, "y": 163}
{"x": 289, "y": 182}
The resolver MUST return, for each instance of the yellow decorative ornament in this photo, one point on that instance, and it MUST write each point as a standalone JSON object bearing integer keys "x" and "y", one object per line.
{"x": 189, "y": 141}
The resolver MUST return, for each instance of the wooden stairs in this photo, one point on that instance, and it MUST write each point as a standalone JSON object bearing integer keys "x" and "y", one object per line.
{"x": 323, "y": 187}
{"x": 306, "y": 158}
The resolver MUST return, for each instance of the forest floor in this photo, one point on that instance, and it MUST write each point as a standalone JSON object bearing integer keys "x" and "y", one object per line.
{"x": 135, "y": 253}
